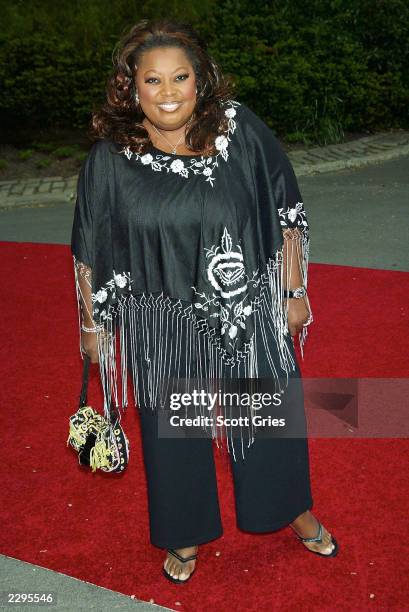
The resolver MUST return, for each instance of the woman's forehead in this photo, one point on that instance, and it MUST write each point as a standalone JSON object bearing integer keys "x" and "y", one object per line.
{"x": 164, "y": 59}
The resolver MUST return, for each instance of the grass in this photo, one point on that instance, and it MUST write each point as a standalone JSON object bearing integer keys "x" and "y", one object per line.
{"x": 45, "y": 154}
{"x": 66, "y": 151}
{"x": 299, "y": 136}
{"x": 81, "y": 156}
{"x": 25, "y": 154}
{"x": 325, "y": 131}
{"x": 44, "y": 147}
{"x": 44, "y": 163}
{"x": 329, "y": 131}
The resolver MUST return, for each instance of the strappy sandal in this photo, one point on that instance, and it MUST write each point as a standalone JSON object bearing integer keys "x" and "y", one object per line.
{"x": 183, "y": 560}
{"x": 318, "y": 538}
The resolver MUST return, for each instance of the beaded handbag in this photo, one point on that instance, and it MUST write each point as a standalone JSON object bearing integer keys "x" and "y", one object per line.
{"x": 101, "y": 444}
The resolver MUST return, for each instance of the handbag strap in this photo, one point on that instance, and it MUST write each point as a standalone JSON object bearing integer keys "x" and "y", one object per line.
{"x": 85, "y": 378}
{"x": 84, "y": 390}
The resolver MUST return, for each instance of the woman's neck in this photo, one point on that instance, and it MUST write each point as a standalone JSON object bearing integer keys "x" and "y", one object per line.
{"x": 172, "y": 136}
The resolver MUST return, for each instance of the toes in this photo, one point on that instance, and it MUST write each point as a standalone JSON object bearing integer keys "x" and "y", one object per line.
{"x": 328, "y": 549}
{"x": 328, "y": 540}
{"x": 178, "y": 570}
{"x": 185, "y": 572}
{"x": 326, "y": 546}
{"x": 170, "y": 568}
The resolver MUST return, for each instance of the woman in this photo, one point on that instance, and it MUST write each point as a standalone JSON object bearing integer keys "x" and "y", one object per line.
{"x": 190, "y": 245}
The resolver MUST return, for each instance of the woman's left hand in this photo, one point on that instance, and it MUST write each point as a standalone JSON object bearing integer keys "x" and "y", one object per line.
{"x": 298, "y": 315}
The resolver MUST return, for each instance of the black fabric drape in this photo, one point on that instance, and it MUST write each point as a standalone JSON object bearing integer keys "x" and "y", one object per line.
{"x": 170, "y": 237}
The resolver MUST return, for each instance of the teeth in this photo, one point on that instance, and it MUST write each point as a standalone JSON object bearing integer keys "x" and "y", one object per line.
{"x": 169, "y": 106}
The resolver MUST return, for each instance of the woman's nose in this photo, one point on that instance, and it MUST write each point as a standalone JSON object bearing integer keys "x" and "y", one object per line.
{"x": 169, "y": 87}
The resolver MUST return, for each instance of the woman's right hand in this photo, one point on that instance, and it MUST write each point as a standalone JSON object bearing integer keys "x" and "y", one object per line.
{"x": 89, "y": 345}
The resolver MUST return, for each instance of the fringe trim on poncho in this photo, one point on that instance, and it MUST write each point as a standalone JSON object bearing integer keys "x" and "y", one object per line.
{"x": 149, "y": 320}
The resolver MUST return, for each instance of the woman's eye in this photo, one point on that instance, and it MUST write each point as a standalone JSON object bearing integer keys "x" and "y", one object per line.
{"x": 180, "y": 76}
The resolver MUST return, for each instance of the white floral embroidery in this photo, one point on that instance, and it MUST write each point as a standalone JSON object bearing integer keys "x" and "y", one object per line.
{"x": 177, "y": 166}
{"x": 101, "y": 296}
{"x": 120, "y": 281}
{"x": 195, "y": 165}
{"x": 230, "y": 113}
{"x": 221, "y": 143}
{"x": 292, "y": 215}
{"x": 146, "y": 159}
{"x": 226, "y": 273}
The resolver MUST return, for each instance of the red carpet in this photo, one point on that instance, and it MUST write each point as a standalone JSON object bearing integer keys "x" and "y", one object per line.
{"x": 95, "y": 527}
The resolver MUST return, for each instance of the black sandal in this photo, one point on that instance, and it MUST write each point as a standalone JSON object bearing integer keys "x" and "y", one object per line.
{"x": 318, "y": 538}
{"x": 183, "y": 560}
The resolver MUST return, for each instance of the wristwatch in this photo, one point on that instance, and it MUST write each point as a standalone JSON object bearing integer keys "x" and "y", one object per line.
{"x": 299, "y": 292}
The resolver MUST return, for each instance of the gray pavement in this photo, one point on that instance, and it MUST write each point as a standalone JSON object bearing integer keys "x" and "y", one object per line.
{"x": 49, "y": 223}
{"x": 358, "y": 216}
{"x": 355, "y": 154}
{"x": 46, "y": 189}
{"x": 69, "y": 594}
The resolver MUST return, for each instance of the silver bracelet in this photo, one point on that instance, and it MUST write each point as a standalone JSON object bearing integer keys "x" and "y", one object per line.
{"x": 97, "y": 328}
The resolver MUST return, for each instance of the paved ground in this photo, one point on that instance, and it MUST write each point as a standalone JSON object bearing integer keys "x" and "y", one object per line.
{"x": 69, "y": 594}
{"x": 358, "y": 216}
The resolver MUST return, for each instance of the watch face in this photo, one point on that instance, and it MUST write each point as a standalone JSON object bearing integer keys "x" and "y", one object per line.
{"x": 299, "y": 292}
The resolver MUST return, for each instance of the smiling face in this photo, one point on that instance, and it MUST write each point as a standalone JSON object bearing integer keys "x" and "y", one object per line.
{"x": 166, "y": 86}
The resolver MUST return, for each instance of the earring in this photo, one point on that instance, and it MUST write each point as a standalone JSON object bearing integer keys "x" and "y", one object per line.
{"x": 136, "y": 98}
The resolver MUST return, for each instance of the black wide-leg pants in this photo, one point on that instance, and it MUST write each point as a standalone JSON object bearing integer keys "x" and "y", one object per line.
{"x": 271, "y": 486}
{"x": 271, "y": 482}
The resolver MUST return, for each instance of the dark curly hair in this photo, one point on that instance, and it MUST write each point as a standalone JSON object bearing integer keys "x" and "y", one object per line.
{"x": 120, "y": 119}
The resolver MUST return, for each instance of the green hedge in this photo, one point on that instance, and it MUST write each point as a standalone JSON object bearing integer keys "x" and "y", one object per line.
{"x": 317, "y": 69}
{"x": 311, "y": 70}
{"x": 49, "y": 82}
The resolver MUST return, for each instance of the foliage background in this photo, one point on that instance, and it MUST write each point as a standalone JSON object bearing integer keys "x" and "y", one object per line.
{"x": 313, "y": 70}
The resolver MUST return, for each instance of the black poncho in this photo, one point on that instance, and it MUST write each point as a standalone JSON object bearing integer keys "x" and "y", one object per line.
{"x": 183, "y": 257}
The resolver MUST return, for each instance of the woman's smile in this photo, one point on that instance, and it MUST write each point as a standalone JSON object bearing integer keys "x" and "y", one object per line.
{"x": 169, "y": 107}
